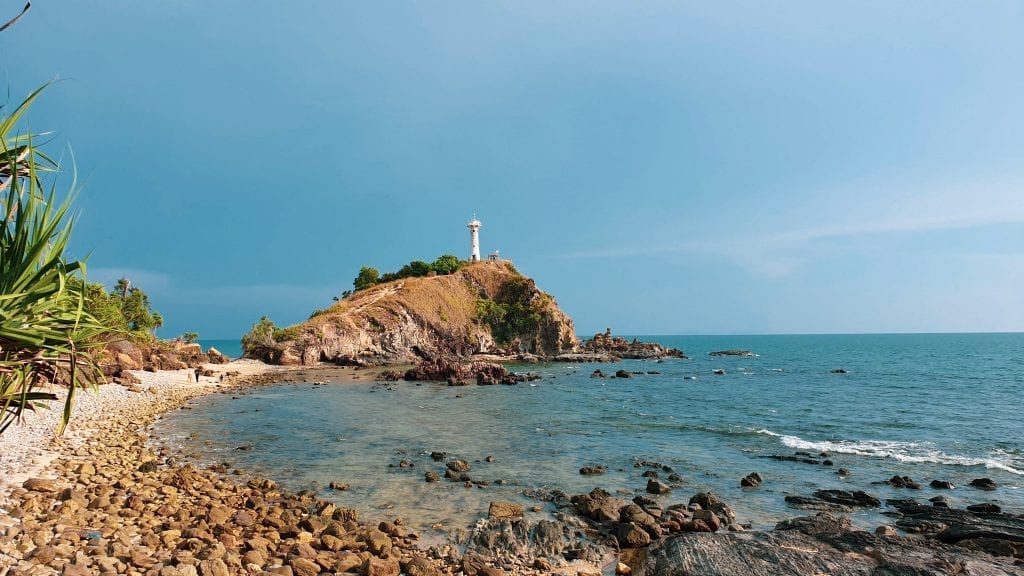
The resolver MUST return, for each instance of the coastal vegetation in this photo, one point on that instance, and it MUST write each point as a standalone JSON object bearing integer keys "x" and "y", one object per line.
{"x": 369, "y": 276}
{"x": 46, "y": 329}
{"x": 513, "y": 311}
{"x": 265, "y": 335}
{"x": 126, "y": 310}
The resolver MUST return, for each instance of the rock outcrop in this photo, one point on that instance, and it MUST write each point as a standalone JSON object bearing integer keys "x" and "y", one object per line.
{"x": 605, "y": 347}
{"x": 414, "y": 319}
{"x": 826, "y": 544}
{"x": 117, "y": 357}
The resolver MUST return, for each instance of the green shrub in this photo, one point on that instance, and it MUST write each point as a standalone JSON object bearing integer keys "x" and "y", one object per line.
{"x": 445, "y": 264}
{"x": 260, "y": 336}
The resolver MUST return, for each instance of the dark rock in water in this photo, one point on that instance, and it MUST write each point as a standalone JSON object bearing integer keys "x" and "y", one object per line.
{"x": 655, "y": 487}
{"x": 822, "y": 544}
{"x": 838, "y": 371}
{"x": 340, "y": 486}
{"x": 438, "y": 456}
{"x": 458, "y": 466}
{"x": 843, "y": 472}
{"x": 985, "y": 508}
{"x": 940, "y": 501}
{"x": 606, "y": 344}
{"x": 623, "y": 374}
{"x": 751, "y": 480}
{"x": 942, "y": 485}
{"x": 746, "y": 353}
{"x": 997, "y": 533}
{"x": 718, "y": 371}
{"x": 597, "y": 374}
{"x": 593, "y": 470}
{"x": 406, "y": 464}
{"x": 457, "y": 476}
{"x": 901, "y": 482}
{"x": 797, "y": 457}
{"x": 855, "y": 498}
{"x": 431, "y": 476}
{"x": 805, "y": 503}
{"x": 650, "y": 474}
{"x": 826, "y": 462}
{"x": 983, "y": 483}
{"x": 455, "y": 373}
{"x": 675, "y": 478}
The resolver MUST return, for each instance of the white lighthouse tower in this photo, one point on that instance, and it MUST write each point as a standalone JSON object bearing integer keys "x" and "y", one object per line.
{"x": 474, "y": 239}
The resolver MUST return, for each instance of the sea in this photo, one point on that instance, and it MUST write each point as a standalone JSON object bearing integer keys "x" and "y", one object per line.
{"x": 928, "y": 406}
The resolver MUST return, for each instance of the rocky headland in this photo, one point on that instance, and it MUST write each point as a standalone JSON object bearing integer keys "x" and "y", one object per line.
{"x": 483, "y": 308}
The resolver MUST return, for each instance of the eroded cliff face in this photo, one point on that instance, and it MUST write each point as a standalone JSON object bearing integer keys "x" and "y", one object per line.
{"x": 456, "y": 315}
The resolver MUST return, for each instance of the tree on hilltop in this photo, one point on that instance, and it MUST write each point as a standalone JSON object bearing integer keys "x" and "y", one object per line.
{"x": 368, "y": 276}
{"x": 447, "y": 264}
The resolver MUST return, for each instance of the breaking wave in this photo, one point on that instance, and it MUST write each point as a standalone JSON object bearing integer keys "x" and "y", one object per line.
{"x": 911, "y": 452}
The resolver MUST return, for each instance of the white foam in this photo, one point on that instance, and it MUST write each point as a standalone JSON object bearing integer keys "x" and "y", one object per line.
{"x": 911, "y": 452}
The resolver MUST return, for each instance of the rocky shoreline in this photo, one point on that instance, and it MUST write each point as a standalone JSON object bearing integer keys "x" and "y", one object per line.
{"x": 107, "y": 503}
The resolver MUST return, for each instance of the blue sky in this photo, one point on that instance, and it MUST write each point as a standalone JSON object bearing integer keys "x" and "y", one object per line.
{"x": 658, "y": 167}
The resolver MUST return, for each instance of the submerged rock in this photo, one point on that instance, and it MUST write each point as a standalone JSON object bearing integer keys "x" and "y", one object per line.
{"x": 751, "y": 480}
{"x": 983, "y": 483}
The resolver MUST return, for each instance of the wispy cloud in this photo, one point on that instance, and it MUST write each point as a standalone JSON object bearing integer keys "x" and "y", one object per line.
{"x": 779, "y": 253}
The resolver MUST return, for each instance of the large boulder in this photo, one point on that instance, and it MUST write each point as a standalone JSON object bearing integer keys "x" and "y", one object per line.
{"x": 216, "y": 357}
{"x": 598, "y": 505}
{"x": 822, "y": 544}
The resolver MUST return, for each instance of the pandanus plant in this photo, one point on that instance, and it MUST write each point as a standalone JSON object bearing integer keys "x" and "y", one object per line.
{"x": 45, "y": 333}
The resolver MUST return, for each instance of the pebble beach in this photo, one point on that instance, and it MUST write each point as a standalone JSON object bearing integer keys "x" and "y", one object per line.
{"x": 99, "y": 501}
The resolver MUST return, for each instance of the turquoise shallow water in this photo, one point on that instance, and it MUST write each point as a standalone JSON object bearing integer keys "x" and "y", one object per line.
{"x": 936, "y": 406}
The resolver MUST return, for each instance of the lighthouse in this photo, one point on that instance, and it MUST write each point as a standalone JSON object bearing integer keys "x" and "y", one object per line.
{"x": 474, "y": 239}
